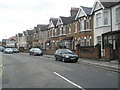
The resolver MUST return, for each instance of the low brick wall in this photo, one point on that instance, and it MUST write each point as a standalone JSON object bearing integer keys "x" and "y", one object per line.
{"x": 92, "y": 52}
{"x": 49, "y": 51}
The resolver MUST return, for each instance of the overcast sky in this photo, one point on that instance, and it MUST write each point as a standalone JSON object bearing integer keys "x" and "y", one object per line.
{"x": 17, "y": 16}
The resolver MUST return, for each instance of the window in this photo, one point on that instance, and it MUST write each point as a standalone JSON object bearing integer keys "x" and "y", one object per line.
{"x": 98, "y": 19}
{"x": 82, "y": 42}
{"x": 75, "y": 43}
{"x": 75, "y": 27}
{"x": 82, "y": 25}
{"x": 60, "y": 30}
{"x": 99, "y": 40}
{"x": 64, "y": 30}
{"x": 69, "y": 28}
{"x": 118, "y": 15}
{"x": 105, "y": 18}
{"x": 87, "y": 24}
{"x": 88, "y": 42}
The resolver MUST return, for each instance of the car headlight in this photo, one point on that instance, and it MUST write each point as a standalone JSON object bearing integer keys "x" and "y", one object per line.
{"x": 67, "y": 56}
{"x": 76, "y": 55}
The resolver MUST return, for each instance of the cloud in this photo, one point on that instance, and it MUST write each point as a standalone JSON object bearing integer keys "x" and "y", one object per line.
{"x": 18, "y": 15}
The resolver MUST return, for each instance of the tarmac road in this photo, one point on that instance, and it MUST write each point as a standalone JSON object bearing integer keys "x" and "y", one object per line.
{"x": 25, "y": 71}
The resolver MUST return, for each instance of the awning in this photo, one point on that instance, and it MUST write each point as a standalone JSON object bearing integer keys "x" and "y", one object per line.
{"x": 48, "y": 41}
{"x": 68, "y": 38}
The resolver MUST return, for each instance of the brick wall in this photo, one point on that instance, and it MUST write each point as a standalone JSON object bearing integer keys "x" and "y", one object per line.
{"x": 92, "y": 52}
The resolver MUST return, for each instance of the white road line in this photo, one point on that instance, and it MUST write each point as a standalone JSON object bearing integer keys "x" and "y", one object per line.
{"x": 109, "y": 74}
{"x": 68, "y": 80}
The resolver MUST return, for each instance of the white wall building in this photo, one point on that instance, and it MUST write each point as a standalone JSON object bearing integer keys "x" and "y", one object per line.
{"x": 106, "y": 18}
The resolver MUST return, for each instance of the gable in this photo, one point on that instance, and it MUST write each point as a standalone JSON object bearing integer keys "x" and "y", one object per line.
{"x": 59, "y": 22}
{"x": 97, "y": 6}
{"x": 51, "y": 24}
{"x": 80, "y": 13}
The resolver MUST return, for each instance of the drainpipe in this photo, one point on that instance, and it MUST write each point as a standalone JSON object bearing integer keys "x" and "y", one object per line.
{"x": 111, "y": 23}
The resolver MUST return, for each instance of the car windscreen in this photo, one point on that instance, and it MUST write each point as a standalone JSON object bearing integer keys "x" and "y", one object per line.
{"x": 66, "y": 51}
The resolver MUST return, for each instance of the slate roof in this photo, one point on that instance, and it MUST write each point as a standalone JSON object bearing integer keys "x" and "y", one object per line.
{"x": 87, "y": 10}
{"x": 19, "y": 34}
{"x": 67, "y": 20}
{"x": 109, "y": 4}
{"x": 54, "y": 20}
{"x": 45, "y": 27}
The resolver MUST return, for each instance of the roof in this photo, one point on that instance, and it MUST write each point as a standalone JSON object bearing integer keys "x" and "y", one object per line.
{"x": 54, "y": 21}
{"x": 4, "y": 40}
{"x": 67, "y": 20}
{"x": 105, "y": 3}
{"x": 12, "y": 38}
{"x": 19, "y": 34}
{"x": 87, "y": 10}
{"x": 108, "y": 4}
{"x": 45, "y": 27}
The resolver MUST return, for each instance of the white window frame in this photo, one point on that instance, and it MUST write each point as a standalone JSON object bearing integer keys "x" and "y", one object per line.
{"x": 69, "y": 29}
{"x": 82, "y": 25}
{"x": 99, "y": 40}
{"x": 98, "y": 19}
{"x": 82, "y": 42}
{"x": 60, "y": 30}
{"x": 87, "y": 41}
{"x": 106, "y": 18}
{"x": 118, "y": 15}
{"x": 88, "y": 24}
{"x": 64, "y": 30}
{"x": 75, "y": 31}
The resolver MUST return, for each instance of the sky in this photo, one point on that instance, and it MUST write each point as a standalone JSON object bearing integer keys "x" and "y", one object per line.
{"x": 17, "y": 16}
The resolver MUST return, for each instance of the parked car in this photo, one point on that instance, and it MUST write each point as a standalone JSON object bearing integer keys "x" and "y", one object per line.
{"x": 66, "y": 55}
{"x": 15, "y": 50}
{"x": 1, "y": 48}
{"x": 8, "y": 51}
{"x": 35, "y": 51}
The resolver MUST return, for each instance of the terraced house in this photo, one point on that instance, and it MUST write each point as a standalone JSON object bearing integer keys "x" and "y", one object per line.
{"x": 107, "y": 25}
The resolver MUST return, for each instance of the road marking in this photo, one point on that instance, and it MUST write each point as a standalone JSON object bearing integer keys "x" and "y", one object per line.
{"x": 109, "y": 74}
{"x": 68, "y": 80}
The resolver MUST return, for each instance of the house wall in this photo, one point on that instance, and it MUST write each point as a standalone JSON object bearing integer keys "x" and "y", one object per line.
{"x": 99, "y": 30}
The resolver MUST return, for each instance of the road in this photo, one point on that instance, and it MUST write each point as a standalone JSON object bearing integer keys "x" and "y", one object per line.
{"x": 25, "y": 71}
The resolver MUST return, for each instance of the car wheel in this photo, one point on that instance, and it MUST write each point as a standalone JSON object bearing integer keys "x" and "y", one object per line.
{"x": 63, "y": 59}
{"x": 56, "y": 59}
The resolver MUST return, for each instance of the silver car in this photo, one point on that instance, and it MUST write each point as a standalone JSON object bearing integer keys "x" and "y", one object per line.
{"x": 8, "y": 51}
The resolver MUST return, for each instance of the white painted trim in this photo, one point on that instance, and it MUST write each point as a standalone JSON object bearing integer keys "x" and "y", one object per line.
{"x": 97, "y": 1}
{"x": 80, "y": 9}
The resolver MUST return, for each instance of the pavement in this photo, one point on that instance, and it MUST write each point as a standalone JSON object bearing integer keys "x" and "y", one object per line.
{"x": 112, "y": 65}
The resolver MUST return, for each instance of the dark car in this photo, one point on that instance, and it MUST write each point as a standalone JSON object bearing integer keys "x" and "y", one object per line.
{"x": 66, "y": 55}
{"x": 1, "y": 48}
{"x": 35, "y": 51}
{"x": 15, "y": 50}
{"x": 8, "y": 51}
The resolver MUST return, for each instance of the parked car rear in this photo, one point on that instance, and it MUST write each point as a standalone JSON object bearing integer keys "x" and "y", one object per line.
{"x": 35, "y": 51}
{"x": 15, "y": 50}
{"x": 66, "y": 55}
{"x": 8, "y": 51}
